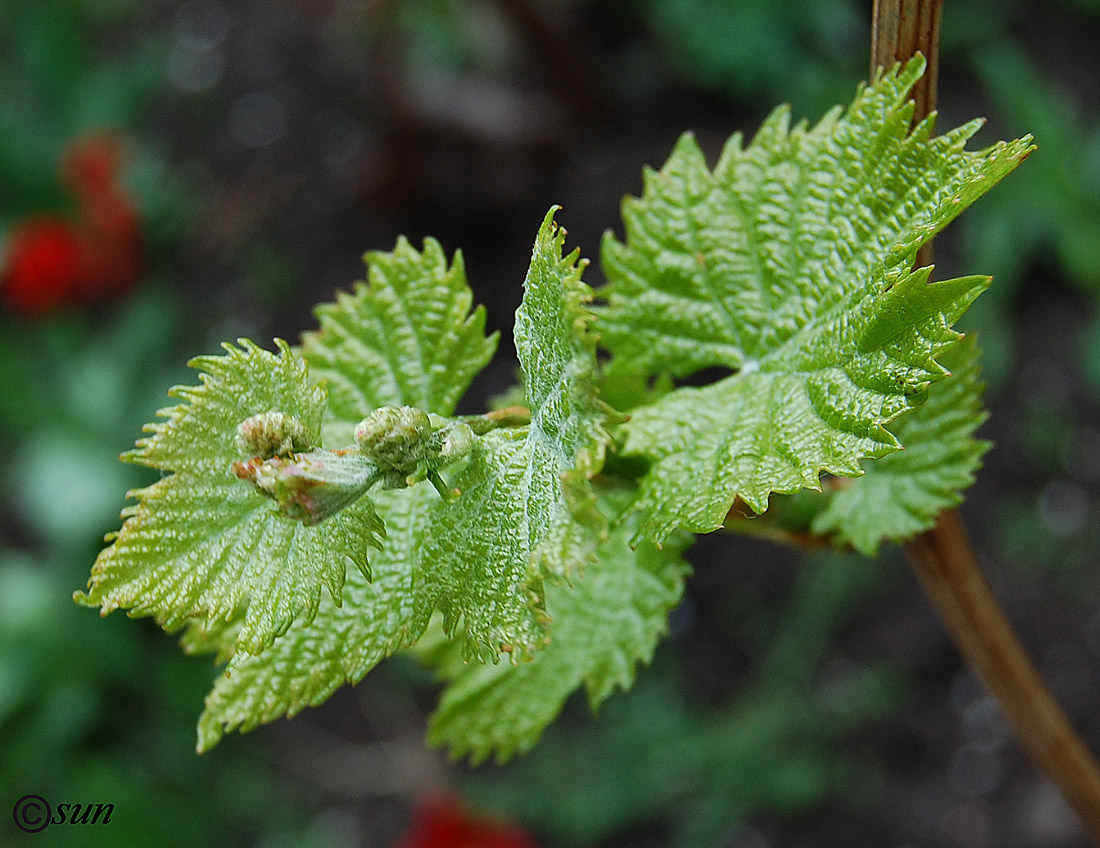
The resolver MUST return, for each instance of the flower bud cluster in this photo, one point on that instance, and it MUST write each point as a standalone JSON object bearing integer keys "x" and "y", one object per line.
{"x": 409, "y": 445}
{"x": 310, "y": 487}
{"x": 272, "y": 434}
{"x": 396, "y": 446}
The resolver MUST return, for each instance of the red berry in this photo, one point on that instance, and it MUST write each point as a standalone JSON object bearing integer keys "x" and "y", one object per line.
{"x": 90, "y": 165}
{"x": 111, "y": 235}
{"x": 442, "y": 822}
{"x": 46, "y": 265}
{"x": 53, "y": 261}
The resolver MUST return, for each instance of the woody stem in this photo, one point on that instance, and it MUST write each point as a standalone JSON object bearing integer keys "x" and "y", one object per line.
{"x": 943, "y": 558}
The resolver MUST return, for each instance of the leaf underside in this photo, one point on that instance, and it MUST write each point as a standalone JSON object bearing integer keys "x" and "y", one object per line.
{"x": 788, "y": 263}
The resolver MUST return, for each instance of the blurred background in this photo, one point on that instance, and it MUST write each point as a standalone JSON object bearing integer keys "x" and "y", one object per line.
{"x": 174, "y": 174}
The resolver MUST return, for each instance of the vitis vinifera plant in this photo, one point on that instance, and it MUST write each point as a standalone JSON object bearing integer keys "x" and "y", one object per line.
{"x": 322, "y": 506}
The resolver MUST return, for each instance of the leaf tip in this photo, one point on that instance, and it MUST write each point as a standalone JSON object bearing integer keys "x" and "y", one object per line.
{"x": 83, "y": 599}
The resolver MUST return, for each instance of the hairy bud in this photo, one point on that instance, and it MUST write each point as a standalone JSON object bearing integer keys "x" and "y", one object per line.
{"x": 395, "y": 437}
{"x": 457, "y": 440}
{"x": 410, "y": 445}
{"x": 310, "y": 487}
{"x": 272, "y": 434}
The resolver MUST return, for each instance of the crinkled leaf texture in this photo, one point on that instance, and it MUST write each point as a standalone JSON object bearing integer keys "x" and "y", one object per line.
{"x": 199, "y": 544}
{"x": 901, "y": 494}
{"x": 308, "y": 663}
{"x": 604, "y": 623}
{"x": 789, "y": 264}
{"x": 480, "y": 556}
{"x": 407, "y": 337}
{"x": 526, "y": 511}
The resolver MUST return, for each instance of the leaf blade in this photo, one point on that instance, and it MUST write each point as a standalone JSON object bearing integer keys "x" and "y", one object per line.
{"x": 604, "y": 624}
{"x": 789, "y": 263}
{"x": 307, "y": 664}
{"x": 407, "y": 336}
{"x": 901, "y": 494}
{"x": 526, "y": 512}
{"x": 200, "y": 544}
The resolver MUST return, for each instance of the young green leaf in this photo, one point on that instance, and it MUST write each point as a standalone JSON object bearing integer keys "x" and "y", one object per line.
{"x": 818, "y": 404}
{"x": 307, "y": 664}
{"x": 526, "y": 510}
{"x": 901, "y": 494}
{"x": 407, "y": 336}
{"x": 410, "y": 576}
{"x": 604, "y": 623}
{"x": 199, "y": 543}
{"x": 557, "y": 353}
{"x": 788, "y": 263}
